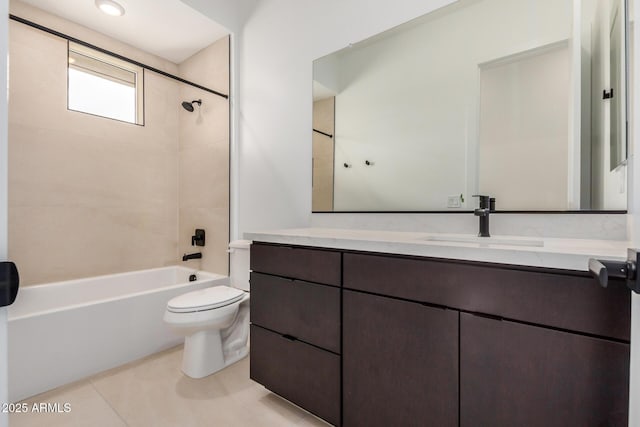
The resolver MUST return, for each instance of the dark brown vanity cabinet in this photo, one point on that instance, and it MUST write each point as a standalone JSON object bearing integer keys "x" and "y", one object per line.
{"x": 364, "y": 339}
{"x": 295, "y": 325}
{"x": 400, "y": 363}
{"x": 438, "y": 342}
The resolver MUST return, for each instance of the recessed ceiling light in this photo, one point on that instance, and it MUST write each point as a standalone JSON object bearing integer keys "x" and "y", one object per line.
{"x": 110, "y": 7}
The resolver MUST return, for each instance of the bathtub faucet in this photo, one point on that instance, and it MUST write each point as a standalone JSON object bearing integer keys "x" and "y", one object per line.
{"x": 187, "y": 257}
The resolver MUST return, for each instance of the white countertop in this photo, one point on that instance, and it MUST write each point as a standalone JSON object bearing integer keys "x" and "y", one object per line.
{"x": 571, "y": 254}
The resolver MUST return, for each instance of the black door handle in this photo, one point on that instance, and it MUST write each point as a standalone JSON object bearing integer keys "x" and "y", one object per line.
{"x": 602, "y": 270}
{"x": 9, "y": 283}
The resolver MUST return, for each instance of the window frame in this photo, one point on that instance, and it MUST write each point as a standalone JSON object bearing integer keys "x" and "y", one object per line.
{"x": 137, "y": 71}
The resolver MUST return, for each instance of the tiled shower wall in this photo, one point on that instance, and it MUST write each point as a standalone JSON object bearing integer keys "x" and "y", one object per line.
{"x": 203, "y": 170}
{"x": 91, "y": 196}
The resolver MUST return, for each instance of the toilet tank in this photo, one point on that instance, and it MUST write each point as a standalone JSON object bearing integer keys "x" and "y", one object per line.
{"x": 239, "y": 264}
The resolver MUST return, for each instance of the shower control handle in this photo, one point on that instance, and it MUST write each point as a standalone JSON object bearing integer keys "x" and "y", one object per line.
{"x": 198, "y": 238}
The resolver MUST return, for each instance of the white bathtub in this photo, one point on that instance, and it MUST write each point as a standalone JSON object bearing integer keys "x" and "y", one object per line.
{"x": 65, "y": 331}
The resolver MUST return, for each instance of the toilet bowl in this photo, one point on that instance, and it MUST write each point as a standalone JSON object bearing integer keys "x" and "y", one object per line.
{"x": 214, "y": 321}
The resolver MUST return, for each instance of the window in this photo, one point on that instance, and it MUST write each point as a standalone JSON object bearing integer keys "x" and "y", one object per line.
{"x": 103, "y": 85}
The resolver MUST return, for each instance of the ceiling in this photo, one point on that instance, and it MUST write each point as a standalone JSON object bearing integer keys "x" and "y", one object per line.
{"x": 167, "y": 28}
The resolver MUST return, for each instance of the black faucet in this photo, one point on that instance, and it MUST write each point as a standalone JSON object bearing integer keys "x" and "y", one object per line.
{"x": 187, "y": 257}
{"x": 487, "y": 205}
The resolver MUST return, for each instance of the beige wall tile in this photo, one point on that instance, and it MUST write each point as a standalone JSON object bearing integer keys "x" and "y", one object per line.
{"x": 89, "y": 195}
{"x": 215, "y": 223}
{"x": 209, "y": 67}
{"x": 323, "y": 159}
{"x": 204, "y": 159}
{"x": 203, "y": 174}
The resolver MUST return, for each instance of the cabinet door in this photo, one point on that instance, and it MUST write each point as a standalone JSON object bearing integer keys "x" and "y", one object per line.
{"x": 400, "y": 363}
{"x": 299, "y": 372}
{"x": 513, "y": 374}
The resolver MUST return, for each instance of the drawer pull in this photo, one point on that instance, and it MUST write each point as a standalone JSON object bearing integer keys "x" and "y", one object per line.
{"x": 289, "y": 337}
{"x": 488, "y": 316}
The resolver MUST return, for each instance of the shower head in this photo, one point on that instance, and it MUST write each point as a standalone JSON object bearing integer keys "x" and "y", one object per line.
{"x": 189, "y": 105}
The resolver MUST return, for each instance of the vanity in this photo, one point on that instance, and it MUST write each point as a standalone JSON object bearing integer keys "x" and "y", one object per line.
{"x": 380, "y": 328}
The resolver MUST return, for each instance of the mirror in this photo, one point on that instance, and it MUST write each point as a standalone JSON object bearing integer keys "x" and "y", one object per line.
{"x": 523, "y": 100}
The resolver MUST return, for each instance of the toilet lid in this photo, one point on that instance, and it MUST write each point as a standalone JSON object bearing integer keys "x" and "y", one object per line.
{"x": 205, "y": 299}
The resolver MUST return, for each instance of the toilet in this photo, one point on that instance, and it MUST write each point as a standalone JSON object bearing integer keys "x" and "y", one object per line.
{"x": 215, "y": 320}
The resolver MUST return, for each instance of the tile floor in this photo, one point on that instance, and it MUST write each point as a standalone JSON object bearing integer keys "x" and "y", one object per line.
{"x": 154, "y": 392}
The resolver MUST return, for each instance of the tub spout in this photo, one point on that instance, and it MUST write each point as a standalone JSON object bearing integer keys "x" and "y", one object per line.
{"x": 187, "y": 257}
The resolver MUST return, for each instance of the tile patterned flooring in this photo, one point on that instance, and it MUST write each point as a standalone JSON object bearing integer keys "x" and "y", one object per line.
{"x": 154, "y": 392}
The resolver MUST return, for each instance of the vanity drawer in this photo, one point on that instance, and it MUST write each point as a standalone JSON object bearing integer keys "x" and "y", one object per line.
{"x": 551, "y": 298}
{"x": 313, "y": 265}
{"x": 303, "y": 374}
{"x": 306, "y": 311}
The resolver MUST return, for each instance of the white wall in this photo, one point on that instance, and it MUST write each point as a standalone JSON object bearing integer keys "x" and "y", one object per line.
{"x": 4, "y": 50}
{"x": 230, "y": 14}
{"x": 325, "y": 73}
{"x": 276, "y": 100}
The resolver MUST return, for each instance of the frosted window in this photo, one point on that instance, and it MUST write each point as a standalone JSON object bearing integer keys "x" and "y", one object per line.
{"x": 95, "y": 95}
{"x": 104, "y": 86}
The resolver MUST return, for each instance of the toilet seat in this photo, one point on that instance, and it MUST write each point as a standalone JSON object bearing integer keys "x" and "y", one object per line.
{"x": 205, "y": 299}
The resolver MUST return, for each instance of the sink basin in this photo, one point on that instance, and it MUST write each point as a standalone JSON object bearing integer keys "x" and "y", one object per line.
{"x": 486, "y": 241}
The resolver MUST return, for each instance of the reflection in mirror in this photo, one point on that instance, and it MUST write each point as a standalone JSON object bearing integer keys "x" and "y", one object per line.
{"x": 616, "y": 78}
{"x": 323, "y": 120}
{"x": 520, "y": 99}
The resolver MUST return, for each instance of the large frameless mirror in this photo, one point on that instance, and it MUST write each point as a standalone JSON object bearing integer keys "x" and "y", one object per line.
{"x": 520, "y": 99}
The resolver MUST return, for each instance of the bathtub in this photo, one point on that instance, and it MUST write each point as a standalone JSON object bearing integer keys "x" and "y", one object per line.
{"x": 65, "y": 331}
